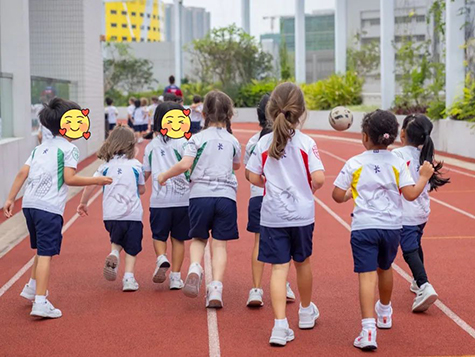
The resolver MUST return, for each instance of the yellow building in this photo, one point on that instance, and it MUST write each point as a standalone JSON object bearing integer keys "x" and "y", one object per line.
{"x": 133, "y": 21}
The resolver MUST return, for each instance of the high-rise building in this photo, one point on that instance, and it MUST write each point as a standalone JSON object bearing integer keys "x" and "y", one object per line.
{"x": 195, "y": 23}
{"x": 133, "y": 21}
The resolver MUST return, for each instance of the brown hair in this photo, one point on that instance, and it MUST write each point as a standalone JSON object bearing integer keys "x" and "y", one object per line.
{"x": 285, "y": 108}
{"x": 143, "y": 101}
{"x": 218, "y": 108}
{"x": 121, "y": 141}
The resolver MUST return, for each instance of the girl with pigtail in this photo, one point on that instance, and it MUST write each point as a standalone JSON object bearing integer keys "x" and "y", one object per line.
{"x": 212, "y": 156}
{"x": 417, "y": 148}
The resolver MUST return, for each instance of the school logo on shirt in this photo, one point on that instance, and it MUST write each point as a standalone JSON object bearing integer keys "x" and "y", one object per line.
{"x": 315, "y": 152}
{"x": 75, "y": 154}
{"x": 220, "y": 146}
{"x": 377, "y": 169}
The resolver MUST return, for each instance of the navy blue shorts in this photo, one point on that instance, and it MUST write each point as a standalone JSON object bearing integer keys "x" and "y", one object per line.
{"x": 195, "y": 127}
{"x": 254, "y": 214}
{"x": 140, "y": 128}
{"x": 411, "y": 237}
{"x": 167, "y": 221}
{"x": 111, "y": 126}
{"x": 218, "y": 214}
{"x": 127, "y": 234}
{"x": 374, "y": 248}
{"x": 279, "y": 245}
{"x": 45, "y": 231}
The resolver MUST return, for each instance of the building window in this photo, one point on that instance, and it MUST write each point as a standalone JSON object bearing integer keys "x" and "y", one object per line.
{"x": 141, "y": 14}
{"x": 134, "y": 39}
{"x": 403, "y": 19}
{"x": 124, "y": 38}
{"x": 133, "y": 13}
{"x": 420, "y": 38}
{"x": 148, "y": 27}
{"x": 114, "y": 38}
{"x": 371, "y": 22}
{"x": 420, "y": 18}
{"x": 154, "y": 29}
{"x": 142, "y": 39}
{"x": 124, "y": 26}
{"x": 154, "y": 16}
{"x": 113, "y": 24}
{"x": 124, "y": 12}
{"x": 113, "y": 12}
{"x": 134, "y": 26}
{"x": 148, "y": 15}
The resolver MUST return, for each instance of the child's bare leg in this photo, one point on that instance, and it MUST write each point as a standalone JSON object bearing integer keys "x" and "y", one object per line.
{"x": 178, "y": 254}
{"x": 219, "y": 259}
{"x": 278, "y": 289}
{"x": 367, "y": 282}
{"x": 304, "y": 281}
{"x": 160, "y": 247}
{"x": 130, "y": 263}
{"x": 197, "y": 250}
{"x": 116, "y": 247}
{"x": 257, "y": 266}
{"x": 33, "y": 268}
{"x": 385, "y": 285}
{"x": 42, "y": 274}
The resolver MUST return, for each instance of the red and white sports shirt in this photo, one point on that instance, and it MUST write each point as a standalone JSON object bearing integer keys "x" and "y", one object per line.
{"x": 288, "y": 198}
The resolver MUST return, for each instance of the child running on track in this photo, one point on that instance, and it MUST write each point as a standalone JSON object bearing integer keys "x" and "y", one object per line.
{"x": 49, "y": 170}
{"x": 121, "y": 206}
{"x": 418, "y": 147}
{"x": 290, "y": 162}
{"x": 375, "y": 179}
{"x": 212, "y": 155}
{"x": 169, "y": 203}
{"x": 254, "y": 212}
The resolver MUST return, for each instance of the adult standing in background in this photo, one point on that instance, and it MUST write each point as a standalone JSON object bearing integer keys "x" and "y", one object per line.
{"x": 172, "y": 88}
{"x": 130, "y": 112}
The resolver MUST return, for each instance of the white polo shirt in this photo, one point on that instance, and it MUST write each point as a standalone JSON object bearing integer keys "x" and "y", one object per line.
{"x": 256, "y": 191}
{"x": 112, "y": 113}
{"x": 159, "y": 156}
{"x": 288, "y": 198}
{"x": 45, "y": 187}
{"x": 416, "y": 212}
{"x": 212, "y": 175}
{"x": 121, "y": 199}
{"x": 375, "y": 178}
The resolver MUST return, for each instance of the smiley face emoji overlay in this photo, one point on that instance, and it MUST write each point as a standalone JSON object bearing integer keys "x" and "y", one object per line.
{"x": 176, "y": 124}
{"x": 75, "y": 124}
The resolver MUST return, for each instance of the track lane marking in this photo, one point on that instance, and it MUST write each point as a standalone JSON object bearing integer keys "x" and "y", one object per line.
{"x": 28, "y": 265}
{"x": 449, "y": 237}
{"x": 213, "y": 332}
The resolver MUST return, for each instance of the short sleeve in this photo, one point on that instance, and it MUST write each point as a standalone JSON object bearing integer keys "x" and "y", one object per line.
{"x": 71, "y": 157}
{"x": 344, "y": 178}
{"x": 116, "y": 111}
{"x": 237, "y": 152}
{"x": 405, "y": 178}
{"x": 147, "y": 158}
{"x": 247, "y": 153}
{"x": 255, "y": 161}
{"x": 398, "y": 153}
{"x": 191, "y": 149}
{"x": 141, "y": 180}
{"x": 30, "y": 158}
{"x": 314, "y": 161}
{"x": 100, "y": 171}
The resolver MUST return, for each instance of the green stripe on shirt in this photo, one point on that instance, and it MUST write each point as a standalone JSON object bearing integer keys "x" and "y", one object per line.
{"x": 60, "y": 158}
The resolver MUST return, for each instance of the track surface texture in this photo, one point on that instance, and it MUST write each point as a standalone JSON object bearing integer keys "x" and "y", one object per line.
{"x": 100, "y": 320}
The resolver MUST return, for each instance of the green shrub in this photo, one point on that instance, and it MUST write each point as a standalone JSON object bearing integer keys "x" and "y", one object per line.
{"x": 191, "y": 89}
{"x": 334, "y": 91}
{"x": 464, "y": 109}
{"x": 436, "y": 109}
{"x": 122, "y": 100}
{"x": 250, "y": 94}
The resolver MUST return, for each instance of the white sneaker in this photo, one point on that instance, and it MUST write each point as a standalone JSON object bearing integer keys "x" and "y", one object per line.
{"x": 366, "y": 340}
{"x": 110, "y": 267}
{"x": 414, "y": 288}
{"x": 140, "y": 140}
{"x": 255, "y": 298}
{"x": 307, "y": 319}
{"x": 193, "y": 281}
{"x": 425, "y": 297}
{"x": 46, "y": 310}
{"x": 290, "y": 294}
{"x": 214, "y": 295}
{"x": 159, "y": 275}
{"x": 384, "y": 320}
{"x": 175, "y": 283}
{"x": 280, "y": 336}
{"x": 130, "y": 284}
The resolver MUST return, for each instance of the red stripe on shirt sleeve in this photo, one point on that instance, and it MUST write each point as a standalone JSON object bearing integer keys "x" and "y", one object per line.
{"x": 305, "y": 162}
{"x": 264, "y": 156}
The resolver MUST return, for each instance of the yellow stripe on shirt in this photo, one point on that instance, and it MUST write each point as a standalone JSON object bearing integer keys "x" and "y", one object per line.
{"x": 396, "y": 174}
{"x": 354, "y": 183}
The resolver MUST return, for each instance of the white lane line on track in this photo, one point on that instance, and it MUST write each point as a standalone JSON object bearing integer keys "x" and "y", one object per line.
{"x": 213, "y": 332}
{"x": 28, "y": 265}
{"x": 444, "y": 308}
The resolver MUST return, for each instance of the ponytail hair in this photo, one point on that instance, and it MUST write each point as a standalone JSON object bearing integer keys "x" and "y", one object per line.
{"x": 285, "y": 108}
{"x": 218, "y": 108}
{"x": 418, "y": 129}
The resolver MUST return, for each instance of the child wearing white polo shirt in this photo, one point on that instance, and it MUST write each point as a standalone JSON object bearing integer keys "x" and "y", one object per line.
{"x": 49, "y": 170}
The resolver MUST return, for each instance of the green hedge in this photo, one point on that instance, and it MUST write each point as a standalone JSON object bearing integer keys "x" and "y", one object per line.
{"x": 464, "y": 109}
{"x": 250, "y": 94}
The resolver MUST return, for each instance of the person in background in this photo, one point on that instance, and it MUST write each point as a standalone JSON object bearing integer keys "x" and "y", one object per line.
{"x": 152, "y": 107}
{"x": 172, "y": 88}
{"x": 130, "y": 112}
{"x": 196, "y": 114}
{"x": 140, "y": 118}
{"x": 111, "y": 113}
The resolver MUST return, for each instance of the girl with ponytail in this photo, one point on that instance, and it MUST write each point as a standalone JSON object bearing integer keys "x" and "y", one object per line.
{"x": 418, "y": 147}
{"x": 290, "y": 162}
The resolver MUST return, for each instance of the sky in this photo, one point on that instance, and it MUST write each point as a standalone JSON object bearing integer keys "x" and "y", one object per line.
{"x": 226, "y": 12}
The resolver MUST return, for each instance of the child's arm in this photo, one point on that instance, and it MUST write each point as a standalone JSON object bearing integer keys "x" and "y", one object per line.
{"x": 236, "y": 166}
{"x": 318, "y": 179}
{"x": 71, "y": 179}
{"x": 16, "y": 187}
{"x": 341, "y": 196}
{"x": 411, "y": 192}
{"x": 177, "y": 169}
{"x": 256, "y": 180}
{"x": 246, "y": 173}
{"x": 86, "y": 195}
{"x": 141, "y": 189}
{"x": 147, "y": 174}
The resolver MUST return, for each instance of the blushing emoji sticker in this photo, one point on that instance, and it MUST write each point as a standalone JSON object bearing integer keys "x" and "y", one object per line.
{"x": 176, "y": 124}
{"x": 75, "y": 124}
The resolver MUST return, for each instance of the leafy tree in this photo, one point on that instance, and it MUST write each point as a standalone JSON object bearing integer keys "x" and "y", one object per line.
{"x": 125, "y": 73}
{"x": 231, "y": 56}
{"x": 285, "y": 71}
{"x": 365, "y": 59}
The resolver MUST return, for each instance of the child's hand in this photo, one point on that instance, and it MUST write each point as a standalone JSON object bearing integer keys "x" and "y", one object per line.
{"x": 8, "y": 208}
{"x": 426, "y": 170}
{"x": 82, "y": 210}
{"x": 161, "y": 179}
{"x": 103, "y": 180}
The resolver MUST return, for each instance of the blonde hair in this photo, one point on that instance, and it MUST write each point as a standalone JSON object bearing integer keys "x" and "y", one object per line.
{"x": 285, "y": 108}
{"x": 143, "y": 101}
{"x": 218, "y": 108}
{"x": 121, "y": 141}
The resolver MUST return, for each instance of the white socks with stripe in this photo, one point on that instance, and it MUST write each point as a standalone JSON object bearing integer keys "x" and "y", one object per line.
{"x": 368, "y": 324}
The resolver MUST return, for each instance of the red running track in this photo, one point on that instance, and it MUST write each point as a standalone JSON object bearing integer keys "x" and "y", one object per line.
{"x": 99, "y": 319}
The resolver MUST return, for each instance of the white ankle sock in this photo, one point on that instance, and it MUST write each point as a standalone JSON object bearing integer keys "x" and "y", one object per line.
{"x": 175, "y": 275}
{"x": 216, "y": 283}
{"x": 128, "y": 275}
{"x": 383, "y": 309}
{"x": 32, "y": 284}
{"x": 40, "y": 299}
{"x": 115, "y": 252}
{"x": 368, "y": 324}
{"x": 283, "y": 323}
{"x": 306, "y": 309}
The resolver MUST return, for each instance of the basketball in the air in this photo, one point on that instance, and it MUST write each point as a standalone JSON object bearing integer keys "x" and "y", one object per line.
{"x": 340, "y": 118}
